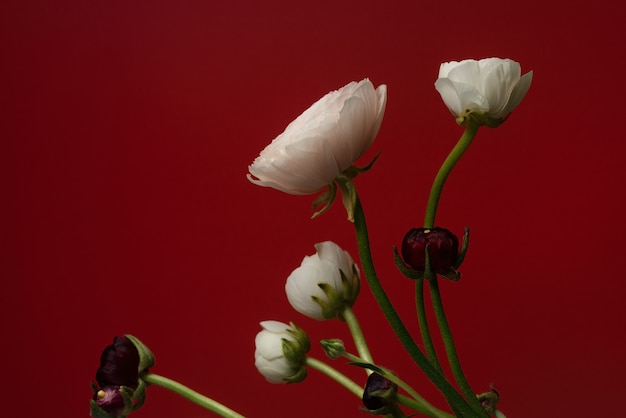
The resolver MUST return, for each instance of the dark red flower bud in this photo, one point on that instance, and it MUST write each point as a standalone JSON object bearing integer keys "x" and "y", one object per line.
{"x": 119, "y": 364}
{"x": 110, "y": 400}
{"x": 443, "y": 249}
{"x": 379, "y": 393}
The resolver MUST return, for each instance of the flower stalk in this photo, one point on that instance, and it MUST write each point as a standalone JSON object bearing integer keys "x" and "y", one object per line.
{"x": 429, "y": 220}
{"x": 425, "y": 407}
{"x": 455, "y": 155}
{"x": 427, "y": 339}
{"x": 451, "y": 395}
{"x": 191, "y": 395}
{"x": 357, "y": 390}
{"x": 357, "y": 335}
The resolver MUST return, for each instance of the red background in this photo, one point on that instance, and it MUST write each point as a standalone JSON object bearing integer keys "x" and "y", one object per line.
{"x": 127, "y": 128}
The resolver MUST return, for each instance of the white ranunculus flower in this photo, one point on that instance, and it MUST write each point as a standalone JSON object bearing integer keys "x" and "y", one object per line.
{"x": 323, "y": 141}
{"x": 488, "y": 89}
{"x": 325, "y": 282}
{"x": 280, "y": 352}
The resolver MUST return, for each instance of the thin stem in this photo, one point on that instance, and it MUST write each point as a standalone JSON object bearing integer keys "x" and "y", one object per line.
{"x": 422, "y": 406}
{"x": 336, "y": 375}
{"x": 357, "y": 390}
{"x": 448, "y": 342}
{"x": 447, "y": 166}
{"x": 190, "y": 395}
{"x": 451, "y": 395}
{"x": 396, "y": 412}
{"x": 423, "y": 325}
{"x": 429, "y": 221}
{"x": 357, "y": 335}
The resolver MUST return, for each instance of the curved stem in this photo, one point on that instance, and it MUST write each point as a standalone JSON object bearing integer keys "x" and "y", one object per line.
{"x": 447, "y": 166}
{"x": 429, "y": 221}
{"x": 357, "y": 335}
{"x": 423, "y": 325}
{"x": 451, "y": 395}
{"x": 357, "y": 390}
{"x": 191, "y": 395}
{"x": 336, "y": 375}
{"x": 448, "y": 342}
{"x": 422, "y": 405}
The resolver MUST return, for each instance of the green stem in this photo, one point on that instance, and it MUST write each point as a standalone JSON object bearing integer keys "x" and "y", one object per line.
{"x": 189, "y": 394}
{"x": 357, "y": 390}
{"x": 447, "y": 166}
{"x": 357, "y": 335}
{"x": 424, "y": 407}
{"x": 429, "y": 221}
{"x": 451, "y": 395}
{"x": 396, "y": 412}
{"x": 336, "y": 375}
{"x": 423, "y": 325}
{"x": 448, "y": 342}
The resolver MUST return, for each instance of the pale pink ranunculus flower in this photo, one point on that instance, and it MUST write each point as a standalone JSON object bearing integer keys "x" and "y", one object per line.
{"x": 323, "y": 141}
{"x": 489, "y": 88}
{"x": 316, "y": 288}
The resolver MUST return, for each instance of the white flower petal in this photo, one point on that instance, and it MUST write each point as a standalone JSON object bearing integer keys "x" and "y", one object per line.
{"x": 499, "y": 81}
{"x": 269, "y": 358}
{"x": 303, "y": 284}
{"x": 491, "y": 87}
{"x": 467, "y": 72}
{"x": 518, "y": 93}
{"x": 323, "y": 141}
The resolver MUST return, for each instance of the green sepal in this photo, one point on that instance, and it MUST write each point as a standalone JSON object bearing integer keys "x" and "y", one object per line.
{"x": 295, "y": 350}
{"x": 140, "y": 394}
{"x": 360, "y": 170}
{"x": 97, "y": 412}
{"x": 348, "y": 194}
{"x": 489, "y": 400}
{"x": 369, "y": 366}
{"x": 407, "y": 271}
{"x": 128, "y": 396}
{"x": 479, "y": 119}
{"x": 428, "y": 273}
{"x": 146, "y": 358}
{"x": 329, "y": 311}
{"x": 334, "y": 348}
{"x": 464, "y": 246}
{"x": 298, "y": 377}
{"x": 325, "y": 200}
{"x": 452, "y": 275}
{"x": 351, "y": 288}
{"x": 292, "y": 352}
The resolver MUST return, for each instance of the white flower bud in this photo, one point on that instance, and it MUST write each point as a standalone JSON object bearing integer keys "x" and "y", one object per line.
{"x": 324, "y": 283}
{"x": 281, "y": 352}
{"x": 488, "y": 89}
{"x": 323, "y": 141}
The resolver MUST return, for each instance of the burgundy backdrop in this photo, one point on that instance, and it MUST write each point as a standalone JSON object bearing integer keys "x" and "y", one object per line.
{"x": 127, "y": 128}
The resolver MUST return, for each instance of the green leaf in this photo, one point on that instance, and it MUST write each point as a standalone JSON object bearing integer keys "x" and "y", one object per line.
{"x": 146, "y": 358}
{"x": 368, "y": 366}
{"x": 464, "y": 246}
{"x": 404, "y": 269}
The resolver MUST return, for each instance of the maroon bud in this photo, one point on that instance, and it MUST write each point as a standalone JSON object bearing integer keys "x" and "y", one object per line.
{"x": 119, "y": 364}
{"x": 379, "y": 393}
{"x": 110, "y": 400}
{"x": 443, "y": 249}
